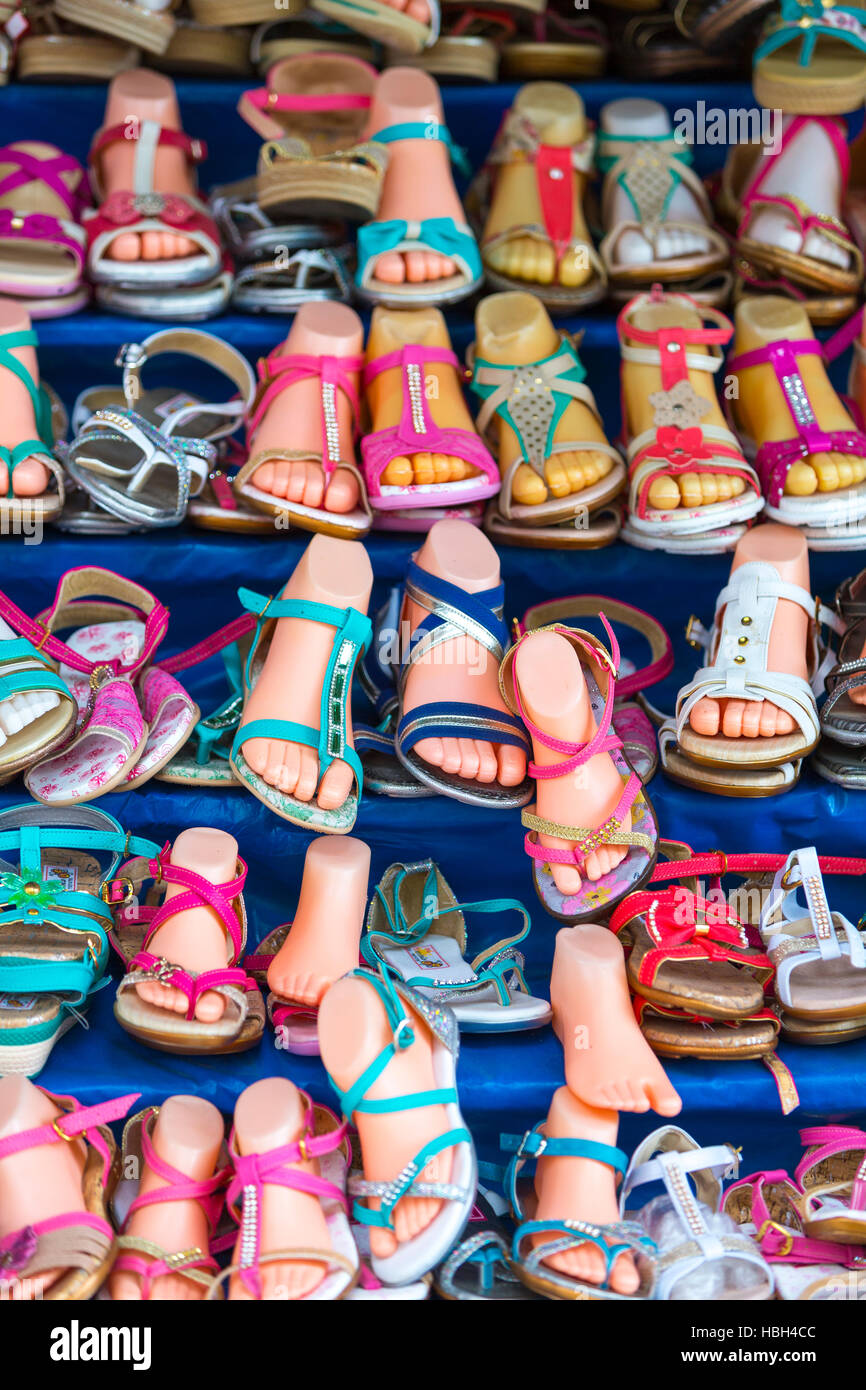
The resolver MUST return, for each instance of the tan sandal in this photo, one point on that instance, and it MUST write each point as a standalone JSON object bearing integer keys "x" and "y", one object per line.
{"x": 147, "y": 25}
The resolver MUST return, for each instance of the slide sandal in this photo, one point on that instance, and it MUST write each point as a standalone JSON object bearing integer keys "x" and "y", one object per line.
{"x": 810, "y": 59}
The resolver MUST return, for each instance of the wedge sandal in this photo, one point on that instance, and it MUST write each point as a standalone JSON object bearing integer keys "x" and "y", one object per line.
{"x": 810, "y": 59}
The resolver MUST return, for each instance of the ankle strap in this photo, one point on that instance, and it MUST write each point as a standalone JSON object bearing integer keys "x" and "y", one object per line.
{"x": 660, "y": 337}
{"x": 782, "y": 355}
{"x": 199, "y": 892}
{"x": 411, "y": 354}
{"x": 265, "y": 99}
{"x": 278, "y": 372}
{"x": 77, "y": 1122}
{"x": 425, "y": 130}
{"x": 204, "y": 347}
{"x": 195, "y": 150}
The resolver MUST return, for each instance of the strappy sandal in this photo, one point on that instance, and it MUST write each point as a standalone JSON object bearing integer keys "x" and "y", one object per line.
{"x": 80, "y": 1243}
{"x": 529, "y": 1256}
{"x": 312, "y": 115}
{"x": 831, "y": 1175}
{"x": 323, "y": 1139}
{"x": 692, "y": 1236}
{"x": 42, "y": 245}
{"x": 25, "y": 670}
{"x": 242, "y": 1024}
{"x": 599, "y": 669}
{"x": 351, "y": 638}
{"x": 842, "y": 719}
{"x": 531, "y": 400}
{"x": 478, "y": 1270}
{"x": 810, "y": 59}
{"x": 305, "y": 32}
{"x": 840, "y": 763}
{"x": 384, "y": 23}
{"x": 148, "y": 24}
{"x": 144, "y": 1258}
{"x": 678, "y": 443}
{"x": 417, "y": 432}
{"x": 250, "y": 233}
{"x": 442, "y": 235}
{"x": 681, "y": 1033}
{"x": 54, "y": 924}
{"x": 405, "y": 1011}
{"x": 570, "y": 49}
{"x": 416, "y": 930}
{"x": 295, "y": 1024}
{"x": 468, "y": 51}
{"x": 312, "y": 274}
{"x": 277, "y": 373}
{"x": 452, "y": 612}
{"x": 143, "y": 209}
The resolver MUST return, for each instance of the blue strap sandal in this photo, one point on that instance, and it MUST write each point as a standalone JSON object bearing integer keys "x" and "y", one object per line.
{"x": 441, "y": 234}
{"x": 50, "y": 420}
{"x": 529, "y": 1261}
{"x": 204, "y": 759}
{"x": 57, "y": 872}
{"x": 417, "y": 929}
{"x": 406, "y": 1011}
{"x": 810, "y": 59}
{"x": 331, "y": 739}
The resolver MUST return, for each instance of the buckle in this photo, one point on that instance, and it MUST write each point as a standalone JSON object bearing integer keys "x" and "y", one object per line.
{"x": 196, "y": 149}
{"x": 105, "y": 892}
{"x": 130, "y": 356}
{"x": 69, "y": 1138}
{"x": 692, "y": 623}
{"x": 788, "y": 1239}
{"x": 523, "y": 1152}
{"x": 46, "y": 633}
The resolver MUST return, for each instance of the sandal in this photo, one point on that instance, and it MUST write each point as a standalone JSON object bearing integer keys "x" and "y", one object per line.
{"x": 384, "y": 23}
{"x": 569, "y": 49}
{"x": 295, "y": 1025}
{"x": 306, "y": 32}
{"x": 830, "y": 1174}
{"x": 201, "y": 50}
{"x": 42, "y": 245}
{"x": 277, "y": 372}
{"x": 408, "y": 936}
{"x": 16, "y": 513}
{"x": 599, "y": 669}
{"x": 324, "y": 1138}
{"x": 840, "y": 763}
{"x": 204, "y": 759}
{"x": 681, "y": 1033}
{"x": 407, "y": 1010}
{"x": 842, "y": 719}
{"x": 768, "y": 1206}
{"x": 694, "y": 1239}
{"x": 312, "y": 274}
{"x": 56, "y": 52}
{"x": 654, "y": 47}
{"x": 528, "y": 1260}
{"x": 81, "y": 1243}
{"x": 24, "y": 670}
{"x": 478, "y": 1270}
{"x": 54, "y": 924}
{"x": 242, "y": 1024}
{"x": 312, "y": 115}
{"x": 678, "y": 443}
{"x": 469, "y": 51}
{"x": 148, "y": 24}
{"x": 136, "y": 1255}
{"x": 351, "y": 639}
{"x": 810, "y": 59}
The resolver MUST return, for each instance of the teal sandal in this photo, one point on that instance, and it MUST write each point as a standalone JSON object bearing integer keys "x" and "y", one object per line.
{"x": 384, "y": 23}
{"x": 330, "y": 740}
{"x": 55, "y": 917}
{"x": 811, "y": 59}
{"x": 619, "y": 1238}
{"x": 405, "y": 1010}
{"x": 204, "y": 759}
{"x": 50, "y": 420}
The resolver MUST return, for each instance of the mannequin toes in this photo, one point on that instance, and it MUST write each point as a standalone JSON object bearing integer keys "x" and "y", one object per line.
{"x": 469, "y": 759}
{"x": 732, "y": 719}
{"x": 399, "y": 473}
{"x": 391, "y": 269}
{"x": 431, "y": 750}
{"x": 336, "y": 786}
{"x": 383, "y": 1243}
{"x": 705, "y": 718}
{"x": 486, "y": 763}
{"x": 308, "y": 775}
{"x": 209, "y": 1007}
{"x": 511, "y": 764}
{"x": 566, "y": 878}
{"x": 662, "y": 1096}
{"x": 624, "y": 1277}
{"x": 342, "y": 493}
{"x": 314, "y": 486}
{"x": 752, "y": 718}
{"x": 30, "y": 478}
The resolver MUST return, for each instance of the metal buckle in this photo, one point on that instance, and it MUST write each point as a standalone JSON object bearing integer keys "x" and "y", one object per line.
{"x": 693, "y": 641}
{"x": 70, "y": 1138}
{"x": 523, "y": 1152}
{"x": 130, "y": 356}
{"x": 105, "y": 892}
{"x": 782, "y": 1230}
{"x": 46, "y": 633}
{"x": 302, "y": 1149}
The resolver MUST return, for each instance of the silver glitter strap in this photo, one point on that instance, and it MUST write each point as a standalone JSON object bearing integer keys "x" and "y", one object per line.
{"x": 444, "y": 1191}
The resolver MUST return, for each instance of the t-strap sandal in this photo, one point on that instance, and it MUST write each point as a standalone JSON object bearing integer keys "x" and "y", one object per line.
{"x": 406, "y": 1010}
{"x": 144, "y": 1258}
{"x": 454, "y": 240}
{"x": 819, "y": 955}
{"x": 832, "y": 1174}
{"x": 529, "y": 1257}
{"x": 810, "y": 58}
{"x": 384, "y": 23}
{"x": 599, "y": 670}
{"x": 277, "y": 373}
{"x": 677, "y": 442}
{"x": 330, "y": 740}
{"x": 452, "y": 612}
{"x": 324, "y": 1138}
{"x": 42, "y": 245}
{"x": 243, "y": 1020}
{"x": 417, "y": 929}
{"x": 701, "y": 1253}
{"x": 81, "y": 1244}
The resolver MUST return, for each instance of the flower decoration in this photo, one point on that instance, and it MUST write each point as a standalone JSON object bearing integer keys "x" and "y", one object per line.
{"x": 29, "y": 889}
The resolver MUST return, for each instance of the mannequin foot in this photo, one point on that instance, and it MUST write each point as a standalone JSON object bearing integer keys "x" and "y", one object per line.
{"x": 418, "y": 182}
{"x": 353, "y": 1030}
{"x": 294, "y": 419}
{"x": 460, "y": 670}
{"x": 514, "y": 328}
{"x": 808, "y": 171}
{"x": 608, "y": 1062}
{"x": 194, "y": 938}
{"x": 785, "y": 548}
{"x": 289, "y": 686}
{"x": 761, "y": 405}
{"x": 390, "y": 330}
{"x": 325, "y": 936}
{"x": 17, "y": 419}
{"x": 554, "y": 694}
{"x": 270, "y": 1114}
{"x": 581, "y": 1189}
{"x": 556, "y": 115}
{"x": 415, "y": 9}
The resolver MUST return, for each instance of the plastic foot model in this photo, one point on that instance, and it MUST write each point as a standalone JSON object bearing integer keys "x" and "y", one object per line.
{"x": 608, "y": 1062}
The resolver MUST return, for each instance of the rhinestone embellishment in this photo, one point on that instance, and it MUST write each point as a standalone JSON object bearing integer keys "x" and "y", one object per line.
{"x": 249, "y": 1226}
{"x": 416, "y": 398}
{"x": 329, "y": 412}
{"x": 531, "y": 405}
{"x": 797, "y": 399}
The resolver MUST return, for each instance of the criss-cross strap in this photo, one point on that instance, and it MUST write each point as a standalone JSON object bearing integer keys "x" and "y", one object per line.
{"x": 39, "y": 399}
{"x": 798, "y": 934}
{"x": 559, "y": 610}
{"x": 453, "y": 613}
{"x": 824, "y": 1142}
{"x": 48, "y": 169}
{"x": 353, "y": 1101}
{"x": 770, "y": 1203}
{"x": 122, "y": 489}
{"x": 686, "y": 926}
{"x": 352, "y": 636}
{"x": 775, "y": 458}
{"x": 280, "y": 371}
{"x": 20, "y": 221}
{"x": 203, "y": 347}
{"x": 810, "y": 22}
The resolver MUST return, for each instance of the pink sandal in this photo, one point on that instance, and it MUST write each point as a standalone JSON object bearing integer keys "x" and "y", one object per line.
{"x": 323, "y": 1138}
{"x": 42, "y": 254}
{"x": 295, "y": 1025}
{"x": 81, "y": 1242}
{"x": 277, "y": 373}
{"x": 832, "y": 1175}
{"x": 243, "y": 1021}
{"x": 417, "y": 432}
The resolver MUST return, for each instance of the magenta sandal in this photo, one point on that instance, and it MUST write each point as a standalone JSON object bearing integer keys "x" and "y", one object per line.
{"x": 243, "y": 1021}
{"x": 42, "y": 253}
{"x": 295, "y": 1024}
{"x": 143, "y": 1257}
{"x": 277, "y": 373}
{"x": 82, "y": 1242}
{"x": 416, "y": 433}
{"x": 832, "y": 1175}
{"x": 324, "y": 1138}
{"x": 600, "y": 897}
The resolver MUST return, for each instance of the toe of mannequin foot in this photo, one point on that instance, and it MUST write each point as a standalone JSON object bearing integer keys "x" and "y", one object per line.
{"x": 335, "y": 787}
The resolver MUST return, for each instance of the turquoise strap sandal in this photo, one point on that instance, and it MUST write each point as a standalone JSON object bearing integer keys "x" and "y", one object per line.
{"x": 24, "y": 671}
{"x": 48, "y": 505}
{"x": 417, "y": 928}
{"x": 331, "y": 740}
{"x": 531, "y": 1261}
{"x": 204, "y": 759}
{"x": 416, "y": 1256}
{"x": 810, "y": 58}
{"x": 384, "y": 23}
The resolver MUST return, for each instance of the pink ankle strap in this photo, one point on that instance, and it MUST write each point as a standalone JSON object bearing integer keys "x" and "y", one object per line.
{"x": 209, "y": 646}
{"x": 263, "y": 99}
{"x": 81, "y": 1122}
{"x": 415, "y": 353}
{"x": 218, "y": 896}
{"x": 781, "y": 1245}
{"x": 825, "y": 1141}
{"x": 651, "y": 337}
